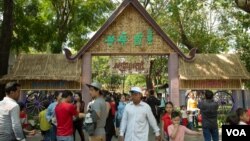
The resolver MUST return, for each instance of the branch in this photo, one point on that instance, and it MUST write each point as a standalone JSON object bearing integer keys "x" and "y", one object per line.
{"x": 57, "y": 9}
{"x": 65, "y": 20}
{"x": 145, "y": 3}
{"x": 243, "y": 5}
{"x": 161, "y": 8}
{"x": 184, "y": 38}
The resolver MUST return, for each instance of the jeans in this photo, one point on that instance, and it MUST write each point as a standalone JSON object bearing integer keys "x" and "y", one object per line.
{"x": 65, "y": 138}
{"x": 208, "y": 133}
{"x": 46, "y": 135}
{"x": 190, "y": 125}
{"x": 117, "y": 123}
{"x": 78, "y": 126}
{"x": 53, "y": 133}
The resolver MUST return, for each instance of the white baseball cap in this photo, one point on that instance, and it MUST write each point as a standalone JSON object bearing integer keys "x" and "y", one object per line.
{"x": 136, "y": 90}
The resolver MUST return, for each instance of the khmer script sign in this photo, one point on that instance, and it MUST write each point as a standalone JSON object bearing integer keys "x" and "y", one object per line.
{"x": 130, "y": 65}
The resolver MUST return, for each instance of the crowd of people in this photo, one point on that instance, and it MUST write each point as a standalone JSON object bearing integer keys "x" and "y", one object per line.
{"x": 111, "y": 115}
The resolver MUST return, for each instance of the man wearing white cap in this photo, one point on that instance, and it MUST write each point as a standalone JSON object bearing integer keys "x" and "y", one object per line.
{"x": 136, "y": 119}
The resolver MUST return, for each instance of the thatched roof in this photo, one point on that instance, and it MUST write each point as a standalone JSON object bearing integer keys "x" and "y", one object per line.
{"x": 213, "y": 67}
{"x": 44, "y": 67}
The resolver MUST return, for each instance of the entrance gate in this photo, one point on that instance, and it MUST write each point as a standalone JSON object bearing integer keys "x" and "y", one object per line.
{"x": 131, "y": 31}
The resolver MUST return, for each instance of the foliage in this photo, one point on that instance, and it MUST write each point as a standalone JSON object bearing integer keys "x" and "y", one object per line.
{"x": 30, "y": 29}
{"x": 100, "y": 69}
{"x": 135, "y": 80}
{"x": 101, "y": 72}
{"x": 49, "y": 25}
{"x": 235, "y": 27}
{"x": 216, "y": 26}
{"x": 159, "y": 70}
{"x": 190, "y": 23}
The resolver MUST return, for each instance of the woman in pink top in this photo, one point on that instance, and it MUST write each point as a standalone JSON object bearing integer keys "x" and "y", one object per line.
{"x": 176, "y": 131}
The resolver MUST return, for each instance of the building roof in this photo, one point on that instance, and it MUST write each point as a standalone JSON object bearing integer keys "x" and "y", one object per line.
{"x": 213, "y": 67}
{"x": 44, "y": 67}
{"x": 141, "y": 10}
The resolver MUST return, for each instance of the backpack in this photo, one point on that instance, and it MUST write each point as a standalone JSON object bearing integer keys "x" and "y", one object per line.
{"x": 90, "y": 121}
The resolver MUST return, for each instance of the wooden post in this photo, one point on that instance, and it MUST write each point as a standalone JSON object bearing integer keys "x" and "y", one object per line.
{"x": 86, "y": 77}
{"x": 173, "y": 75}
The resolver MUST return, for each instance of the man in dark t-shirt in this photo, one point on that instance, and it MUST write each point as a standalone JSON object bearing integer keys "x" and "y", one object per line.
{"x": 209, "y": 111}
{"x": 153, "y": 102}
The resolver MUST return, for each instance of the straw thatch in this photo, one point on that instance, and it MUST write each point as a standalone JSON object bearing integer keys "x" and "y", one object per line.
{"x": 213, "y": 67}
{"x": 132, "y": 23}
{"x": 44, "y": 67}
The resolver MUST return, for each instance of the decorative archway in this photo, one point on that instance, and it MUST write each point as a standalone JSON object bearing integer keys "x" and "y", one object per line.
{"x": 130, "y": 30}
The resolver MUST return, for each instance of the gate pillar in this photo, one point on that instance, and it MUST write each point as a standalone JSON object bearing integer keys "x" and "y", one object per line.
{"x": 173, "y": 76}
{"x": 86, "y": 77}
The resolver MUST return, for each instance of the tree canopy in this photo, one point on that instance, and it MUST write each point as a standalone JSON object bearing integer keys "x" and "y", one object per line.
{"x": 50, "y": 25}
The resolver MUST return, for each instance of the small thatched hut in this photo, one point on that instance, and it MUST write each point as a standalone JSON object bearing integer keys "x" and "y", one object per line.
{"x": 213, "y": 71}
{"x": 45, "y": 72}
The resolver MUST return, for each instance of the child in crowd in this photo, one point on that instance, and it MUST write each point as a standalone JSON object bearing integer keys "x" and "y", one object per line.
{"x": 166, "y": 120}
{"x": 176, "y": 131}
{"x": 184, "y": 115}
{"x": 192, "y": 104}
{"x": 27, "y": 129}
{"x": 243, "y": 116}
{"x": 23, "y": 115}
{"x": 44, "y": 124}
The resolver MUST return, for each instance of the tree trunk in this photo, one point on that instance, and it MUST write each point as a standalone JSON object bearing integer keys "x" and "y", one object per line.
{"x": 149, "y": 81}
{"x": 5, "y": 40}
{"x": 64, "y": 12}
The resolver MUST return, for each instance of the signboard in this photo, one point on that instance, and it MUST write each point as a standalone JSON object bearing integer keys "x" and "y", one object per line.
{"x": 130, "y": 65}
{"x": 123, "y": 38}
{"x": 50, "y": 85}
{"x": 210, "y": 84}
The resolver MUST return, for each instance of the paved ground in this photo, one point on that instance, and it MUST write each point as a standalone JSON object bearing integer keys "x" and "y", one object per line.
{"x": 38, "y": 137}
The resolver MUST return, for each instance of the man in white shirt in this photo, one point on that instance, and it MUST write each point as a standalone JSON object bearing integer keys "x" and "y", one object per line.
{"x": 136, "y": 118}
{"x": 10, "y": 124}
